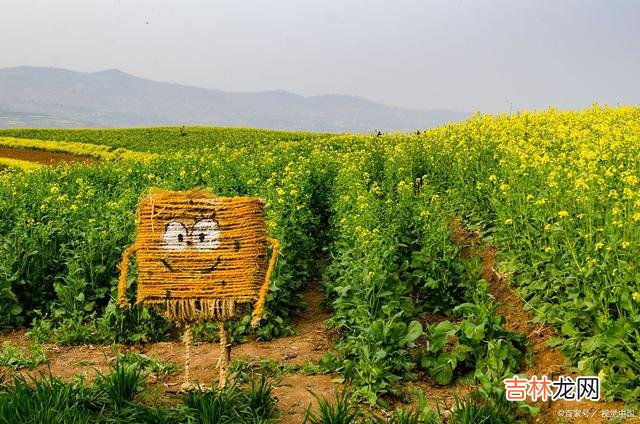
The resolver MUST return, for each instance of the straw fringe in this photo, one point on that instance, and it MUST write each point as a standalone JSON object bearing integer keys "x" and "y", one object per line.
{"x": 196, "y": 310}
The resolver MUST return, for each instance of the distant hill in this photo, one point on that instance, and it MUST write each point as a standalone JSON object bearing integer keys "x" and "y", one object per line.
{"x": 50, "y": 97}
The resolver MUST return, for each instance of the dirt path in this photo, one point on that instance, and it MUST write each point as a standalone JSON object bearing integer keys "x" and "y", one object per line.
{"x": 546, "y": 360}
{"x": 293, "y": 392}
{"x": 42, "y": 156}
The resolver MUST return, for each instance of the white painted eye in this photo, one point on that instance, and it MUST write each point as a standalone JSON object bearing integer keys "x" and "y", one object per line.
{"x": 175, "y": 236}
{"x": 205, "y": 235}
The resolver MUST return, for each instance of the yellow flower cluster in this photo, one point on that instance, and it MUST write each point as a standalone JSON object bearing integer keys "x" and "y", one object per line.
{"x": 81, "y": 149}
{"x": 19, "y": 164}
{"x": 568, "y": 164}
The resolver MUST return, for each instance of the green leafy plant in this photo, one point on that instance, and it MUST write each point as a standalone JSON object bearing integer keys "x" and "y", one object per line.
{"x": 122, "y": 384}
{"x": 478, "y": 343}
{"x": 118, "y": 398}
{"x": 232, "y": 404}
{"x": 337, "y": 411}
{"x": 421, "y": 414}
{"x": 260, "y": 399}
{"x": 46, "y": 400}
{"x": 480, "y": 408}
{"x": 17, "y": 358}
{"x": 151, "y": 365}
{"x": 213, "y": 406}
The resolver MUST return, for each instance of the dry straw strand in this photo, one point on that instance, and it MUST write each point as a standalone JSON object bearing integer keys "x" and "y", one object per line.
{"x": 124, "y": 274}
{"x": 258, "y": 312}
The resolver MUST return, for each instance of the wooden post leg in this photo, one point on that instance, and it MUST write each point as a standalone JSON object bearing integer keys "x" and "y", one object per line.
{"x": 188, "y": 339}
{"x": 225, "y": 355}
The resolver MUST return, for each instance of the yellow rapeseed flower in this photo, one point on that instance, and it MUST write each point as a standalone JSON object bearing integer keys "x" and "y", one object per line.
{"x": 601, "y": 375}
{"x": 628, "y": 193}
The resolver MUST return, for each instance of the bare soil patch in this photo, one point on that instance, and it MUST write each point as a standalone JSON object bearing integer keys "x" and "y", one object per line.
{"x": 43, "y": 157}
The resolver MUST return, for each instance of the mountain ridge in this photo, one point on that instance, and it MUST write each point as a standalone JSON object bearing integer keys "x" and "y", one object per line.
{"x": 113, "y": 98}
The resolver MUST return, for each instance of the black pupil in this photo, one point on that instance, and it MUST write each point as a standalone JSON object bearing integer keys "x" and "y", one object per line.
{"x": 201, "y": 236}
{"x": 180, "y": 238}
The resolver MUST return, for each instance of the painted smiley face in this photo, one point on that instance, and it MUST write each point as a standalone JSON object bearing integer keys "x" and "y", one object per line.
{"x": 203, "y": 235}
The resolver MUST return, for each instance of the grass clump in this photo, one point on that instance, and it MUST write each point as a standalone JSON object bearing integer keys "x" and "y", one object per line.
{"x": 151, "y": 365}
{"x": 233, "y": 404}
{"x": 122, "y": 384}
{"x": 340, "y": 410}
{"x": 121, "y": 396}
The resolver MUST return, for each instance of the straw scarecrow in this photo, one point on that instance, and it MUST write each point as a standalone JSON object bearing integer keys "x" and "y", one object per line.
{"x": 200, "y": 257}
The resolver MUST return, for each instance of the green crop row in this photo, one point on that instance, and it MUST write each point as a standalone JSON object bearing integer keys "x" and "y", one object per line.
{"x": 165, "y": 139}
{"x": 393, "y": 265}
{"x": 559, "y": 194}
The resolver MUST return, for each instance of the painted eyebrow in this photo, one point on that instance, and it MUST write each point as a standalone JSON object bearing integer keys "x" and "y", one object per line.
{"x": 205, "y": 220}
{"x": 175, "y": 221}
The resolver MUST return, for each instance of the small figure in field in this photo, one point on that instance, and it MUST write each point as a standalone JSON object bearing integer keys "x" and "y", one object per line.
{"x": 200, "y": 258}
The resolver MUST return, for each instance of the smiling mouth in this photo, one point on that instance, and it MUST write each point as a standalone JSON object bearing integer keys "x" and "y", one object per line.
{"x": 207, "y": 270}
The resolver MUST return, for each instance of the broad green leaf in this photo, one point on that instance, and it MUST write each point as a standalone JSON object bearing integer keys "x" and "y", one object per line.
{"x": 414, "y": 330}
{"x": 472, "y": 331}
{"x": 438, "y": 335}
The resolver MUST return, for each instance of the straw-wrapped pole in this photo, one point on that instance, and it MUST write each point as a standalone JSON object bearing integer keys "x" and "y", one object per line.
{"x": 225, "y": 355}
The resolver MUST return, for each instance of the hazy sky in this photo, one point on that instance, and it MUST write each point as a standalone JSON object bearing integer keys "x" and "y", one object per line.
{"x": 462, "y": 55}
